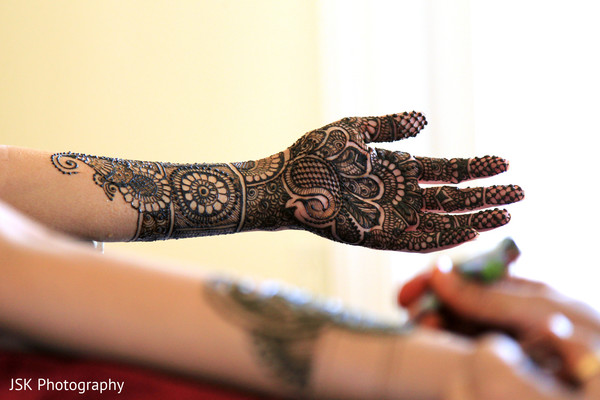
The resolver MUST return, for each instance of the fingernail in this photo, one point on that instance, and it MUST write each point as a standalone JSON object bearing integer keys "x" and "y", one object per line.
{"x": 560, "y": 326}
{"x": 444, "y": 264}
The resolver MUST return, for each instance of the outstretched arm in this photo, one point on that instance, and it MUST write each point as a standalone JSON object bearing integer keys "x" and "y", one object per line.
{"x": 258, "y": 336}
{"x": 329, "y": 182}
{"x": 261, "y": 337}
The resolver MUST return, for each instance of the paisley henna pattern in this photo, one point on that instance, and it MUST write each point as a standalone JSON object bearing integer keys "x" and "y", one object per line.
{"x": 284, "y": 325}
{"x": 346, "y": 191}
{"x": 329, "y": 182}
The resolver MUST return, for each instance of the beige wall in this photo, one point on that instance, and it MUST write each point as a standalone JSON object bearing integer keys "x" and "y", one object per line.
{"x": 189, "y": 81}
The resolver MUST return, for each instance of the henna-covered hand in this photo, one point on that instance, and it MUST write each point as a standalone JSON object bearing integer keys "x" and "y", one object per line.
{"x": 329, "y": 182}
{"x": 340, "y": 188}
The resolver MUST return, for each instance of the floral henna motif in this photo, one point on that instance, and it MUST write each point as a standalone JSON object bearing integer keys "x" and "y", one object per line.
{"x": 173, "y": 201}
{"x": 329, "y": 182}
{"x": 204, "y": 194}
{"x": 262, "y": 170}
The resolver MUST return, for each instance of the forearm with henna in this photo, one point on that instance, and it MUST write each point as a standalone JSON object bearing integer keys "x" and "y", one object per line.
{"x": 284, "y": 325}
{"x": 329, "y": 182}
{"x": 188, "y": 200}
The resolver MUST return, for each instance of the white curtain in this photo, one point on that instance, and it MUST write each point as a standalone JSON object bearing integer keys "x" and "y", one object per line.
{"x": 508, "y": 78}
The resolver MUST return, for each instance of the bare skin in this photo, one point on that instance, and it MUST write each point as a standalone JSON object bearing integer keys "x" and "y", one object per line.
{"x": 284, "y": 342}
{"x": 560, "y": 334}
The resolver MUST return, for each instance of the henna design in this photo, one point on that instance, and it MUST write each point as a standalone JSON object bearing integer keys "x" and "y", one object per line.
{"x": 262, "y": 170}
{"x": 156, "y": 225}
{"x": 448, "y": 198}
{"x": 314, "y": 189}
{"x": 329, "y": 182}
{"x": 342, "y": 189}
{"x": 392, "y": 127}
{"x": 419, "y": 241}
{"x": 144, "y": 186}
{"x": 483, "y": 220}
{"x": 267, "y": 212}
{"x": 459, "y": 169}
{"x": 284, "y": 325}
{"x": 480, "y": 167}
{"x": 204, "y": 194}
{"x": 174, "y": 201}
{"x": 265, "y": 195}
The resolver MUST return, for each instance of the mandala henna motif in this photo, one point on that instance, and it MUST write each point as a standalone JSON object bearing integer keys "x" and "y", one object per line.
{"x": 204, "y": 194}
{"x": 329, "y": 182}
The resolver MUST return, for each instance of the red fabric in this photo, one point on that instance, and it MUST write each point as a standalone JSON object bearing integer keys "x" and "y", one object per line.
{"x": 139, "y": 383}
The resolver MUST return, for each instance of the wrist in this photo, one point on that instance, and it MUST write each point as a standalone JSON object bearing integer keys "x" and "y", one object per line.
{"x": 431, "y": 364}
{"x": 421, "y": 364}
{"x": 264, "y": 193}
{"x": 352, "y": 365}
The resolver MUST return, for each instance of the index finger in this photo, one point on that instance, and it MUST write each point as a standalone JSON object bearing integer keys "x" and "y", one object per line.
{"x": 504, "y": 303}
{"x": 389, "y": 128}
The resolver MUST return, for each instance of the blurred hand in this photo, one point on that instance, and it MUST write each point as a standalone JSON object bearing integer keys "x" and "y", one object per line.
{"x": 531, "y": 321}
{"x": 342, "y": 189}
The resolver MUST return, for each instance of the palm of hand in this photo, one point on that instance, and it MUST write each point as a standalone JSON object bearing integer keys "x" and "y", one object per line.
{"x": 342, "y": 189}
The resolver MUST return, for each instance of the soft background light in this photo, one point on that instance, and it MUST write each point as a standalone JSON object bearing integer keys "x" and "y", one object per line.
{"x": 212, "y": 81}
